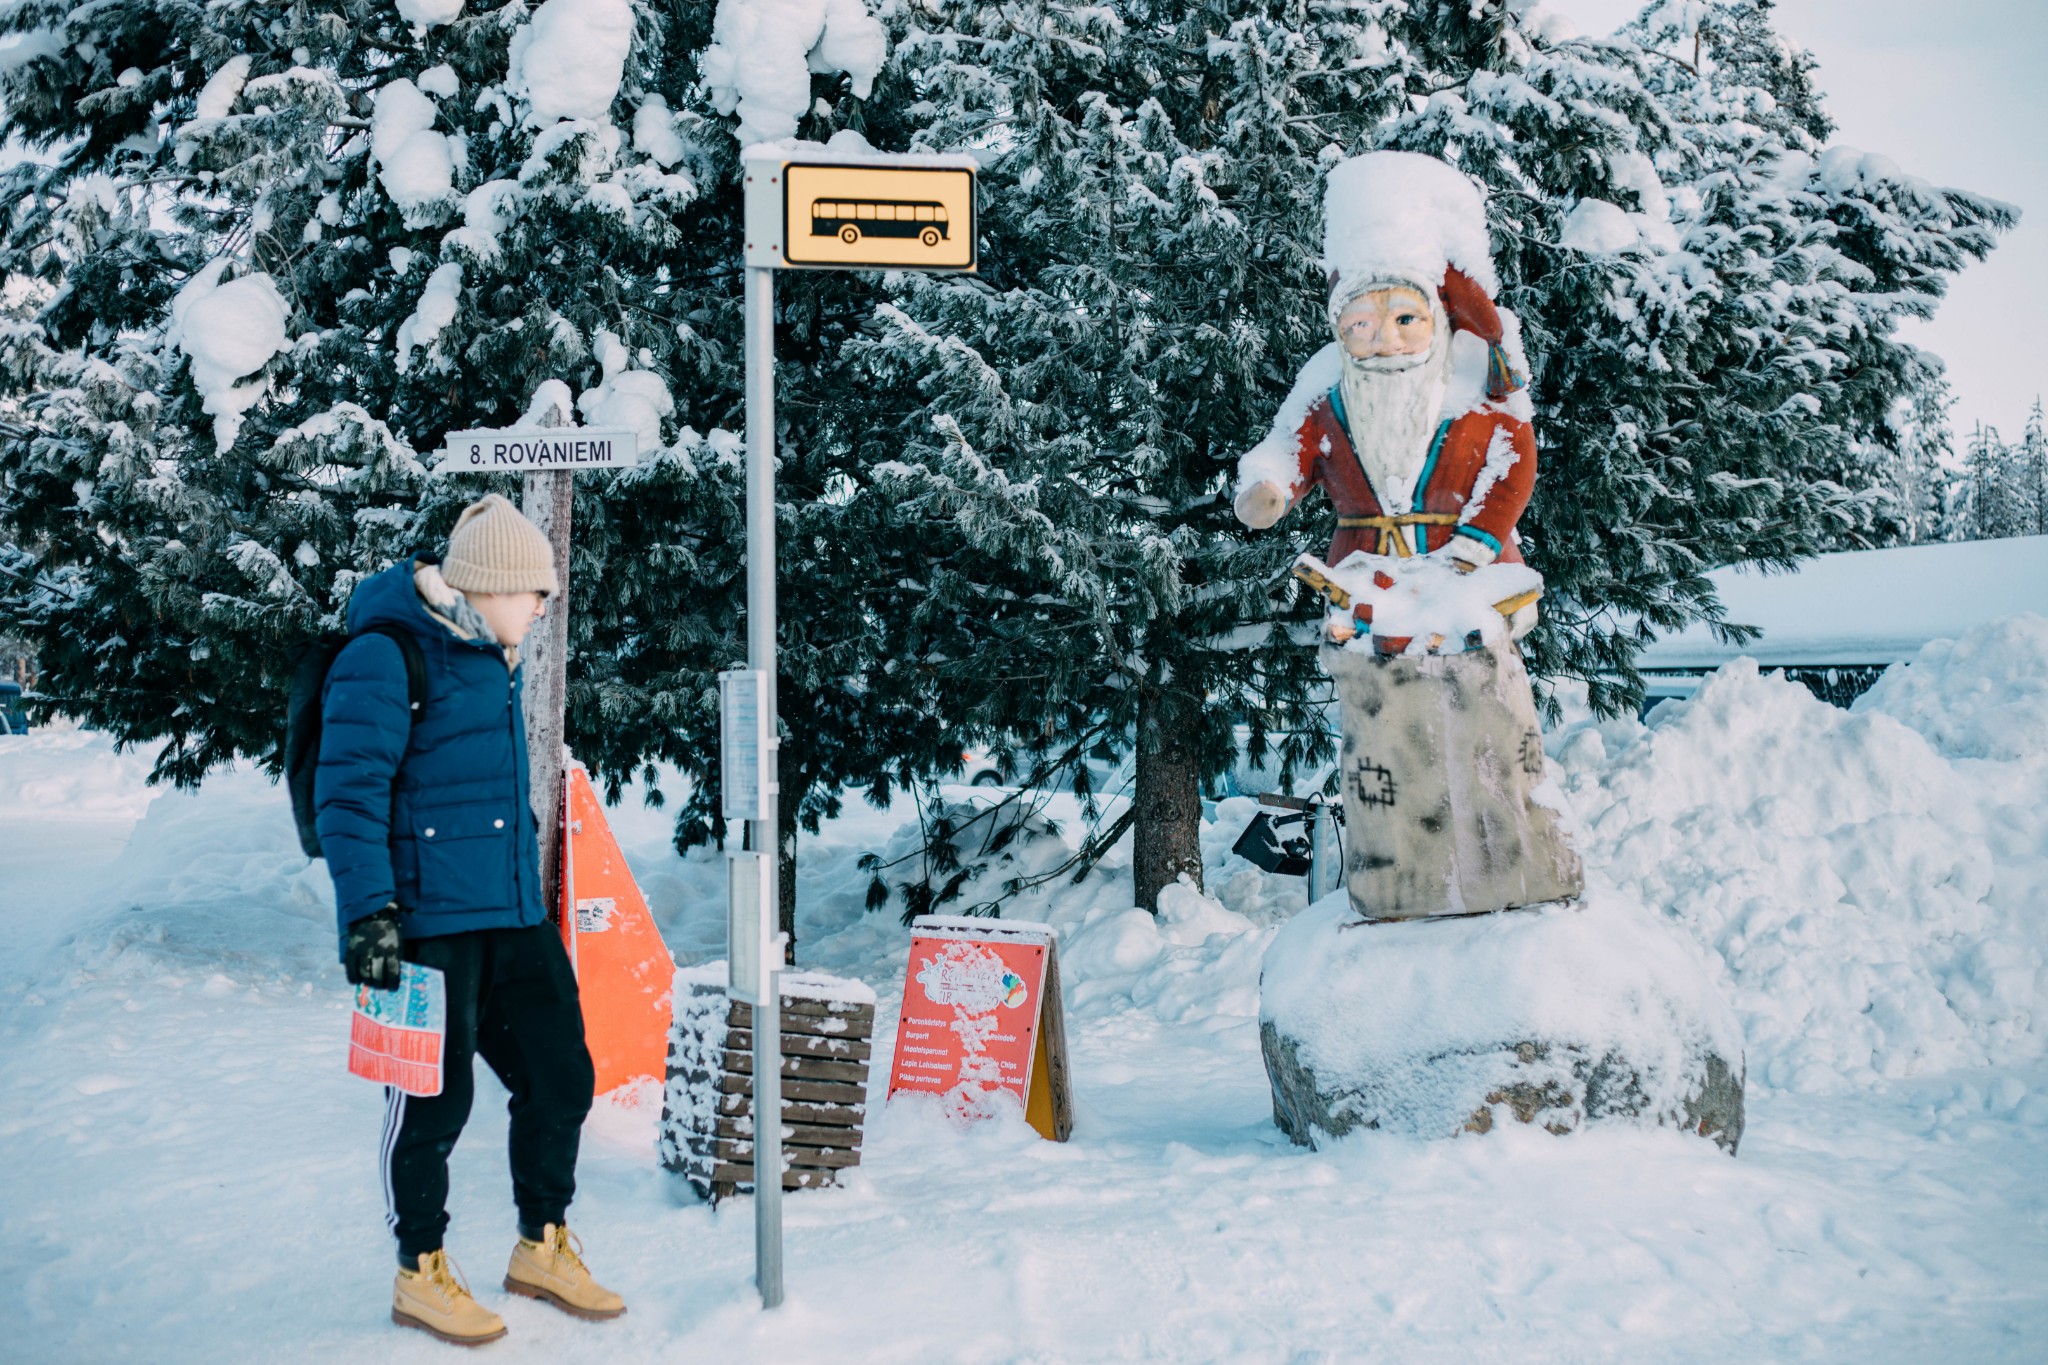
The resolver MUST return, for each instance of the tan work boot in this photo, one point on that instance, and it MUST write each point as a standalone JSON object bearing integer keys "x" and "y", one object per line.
{"x": 553, "y": 1269}
{"x": 434, "y": 1299}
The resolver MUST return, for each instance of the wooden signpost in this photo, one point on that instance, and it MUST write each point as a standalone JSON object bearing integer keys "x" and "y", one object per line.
{"x": 546, "y": 454}
{"x": 982, "y": 1016}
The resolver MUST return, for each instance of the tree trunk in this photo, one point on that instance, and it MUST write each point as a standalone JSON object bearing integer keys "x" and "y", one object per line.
{"x": 547, "y": 500}
{"x": 1166, "y": 836}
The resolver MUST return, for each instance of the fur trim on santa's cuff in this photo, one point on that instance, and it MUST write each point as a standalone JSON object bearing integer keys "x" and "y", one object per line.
{"x": 1481, "y": 536}
{"x": 1472, "y": 545}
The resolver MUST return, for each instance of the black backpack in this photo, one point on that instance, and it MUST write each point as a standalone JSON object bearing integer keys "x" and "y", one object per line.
{"x": 302, "y": 715}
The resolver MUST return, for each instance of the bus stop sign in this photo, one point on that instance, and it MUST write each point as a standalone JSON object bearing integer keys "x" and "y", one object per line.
{"x": 867, "y": 211}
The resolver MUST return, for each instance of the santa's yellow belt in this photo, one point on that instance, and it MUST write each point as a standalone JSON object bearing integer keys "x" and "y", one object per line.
{"x": 1390, "y": 542}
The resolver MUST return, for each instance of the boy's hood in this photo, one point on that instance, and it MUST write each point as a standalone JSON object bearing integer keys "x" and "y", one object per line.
{"x": 398, "y": 596}
{"x": 389, "y": 598}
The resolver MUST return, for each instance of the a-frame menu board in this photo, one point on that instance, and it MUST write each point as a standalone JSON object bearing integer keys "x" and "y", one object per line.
{"x": 981, "y": 1013}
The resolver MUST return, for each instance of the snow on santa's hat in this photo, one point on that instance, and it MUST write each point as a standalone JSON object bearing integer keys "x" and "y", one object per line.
{"x": 1399, "y": 217}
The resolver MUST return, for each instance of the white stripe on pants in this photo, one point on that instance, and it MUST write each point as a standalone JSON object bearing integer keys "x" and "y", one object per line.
{"x": 394, "y": 1119}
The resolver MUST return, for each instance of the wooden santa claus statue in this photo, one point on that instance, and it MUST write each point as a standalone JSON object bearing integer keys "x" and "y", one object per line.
{"x": 1414, "y": 421}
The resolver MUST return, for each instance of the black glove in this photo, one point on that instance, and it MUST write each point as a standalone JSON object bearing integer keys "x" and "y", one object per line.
{"x": 371, "y": 954}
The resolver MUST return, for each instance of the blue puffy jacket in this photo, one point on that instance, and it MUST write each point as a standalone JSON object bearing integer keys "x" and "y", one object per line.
{"x": 433, "y": 814}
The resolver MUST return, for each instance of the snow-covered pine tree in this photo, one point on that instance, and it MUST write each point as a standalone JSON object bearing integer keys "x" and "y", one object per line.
{"x": 1709, "y": 299}
{"x": 1998, "y": 501}
{"x": 1064, "y": 428}
{"x": 1917, "y": 474}
{"x": 2033, "y": 458}
{"x": 282, "y": 248}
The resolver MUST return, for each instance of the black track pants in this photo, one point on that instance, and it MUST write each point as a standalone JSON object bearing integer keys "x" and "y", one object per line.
{"x": 512, "y": 998}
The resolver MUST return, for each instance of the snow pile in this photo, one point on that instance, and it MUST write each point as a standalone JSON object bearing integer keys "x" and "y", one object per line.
{"x": 52, "y": 774}
{"x": 1195, "y": 963}
{"x": 1416, "y": 1026}
{"x": 1404, "y": 216}
{"x": 568, "y": 60}
{"x": 230, "y": 331}
{"x": 1982, "y": 696}
{"x": 763, "y": 52}
{"x": 415, "y": 164}
{"x": 1872, "y": 901}
{"x": 636, "y": 400}
{"x": 437, "y": 307}
{"x": 1424, "y": 605}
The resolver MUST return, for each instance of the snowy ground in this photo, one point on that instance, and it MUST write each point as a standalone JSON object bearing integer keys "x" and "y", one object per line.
{"x": 186, "y": 1173}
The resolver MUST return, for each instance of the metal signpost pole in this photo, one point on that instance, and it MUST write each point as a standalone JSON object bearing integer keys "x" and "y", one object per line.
{"x": 767, "y": 835}
{"x": 826, "y": 212}
{"x": 1323, "y": 869}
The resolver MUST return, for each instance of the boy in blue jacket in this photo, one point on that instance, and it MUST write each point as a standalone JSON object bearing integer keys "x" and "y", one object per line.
{"x": 429, "y": 834}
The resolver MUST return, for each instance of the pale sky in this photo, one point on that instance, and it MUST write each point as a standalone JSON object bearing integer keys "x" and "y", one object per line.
{"x": 1956, "y": 92}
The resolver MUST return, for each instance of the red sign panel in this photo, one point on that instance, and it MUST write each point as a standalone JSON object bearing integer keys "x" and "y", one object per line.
{"x": 971, "y": 1011}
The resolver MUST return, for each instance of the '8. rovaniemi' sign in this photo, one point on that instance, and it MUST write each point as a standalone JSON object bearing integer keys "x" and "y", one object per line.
{"x": 552, "y": 448}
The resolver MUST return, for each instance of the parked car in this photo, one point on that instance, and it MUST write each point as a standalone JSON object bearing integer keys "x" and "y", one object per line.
{"x": 13, "y": 719}
{"x": 1246, "y": 778}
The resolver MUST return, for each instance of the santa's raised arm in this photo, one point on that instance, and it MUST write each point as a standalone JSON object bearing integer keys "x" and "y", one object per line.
{"x": 1413, "y": 420}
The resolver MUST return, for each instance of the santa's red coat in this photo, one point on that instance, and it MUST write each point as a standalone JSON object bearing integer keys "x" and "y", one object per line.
{"x": 1457, "y": 482}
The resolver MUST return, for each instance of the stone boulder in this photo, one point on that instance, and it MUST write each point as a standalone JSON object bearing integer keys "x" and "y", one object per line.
{"x": 1559, "y": 1017}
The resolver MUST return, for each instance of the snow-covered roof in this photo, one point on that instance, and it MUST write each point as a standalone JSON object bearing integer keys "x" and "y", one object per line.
{"x": 1866, "y": 606}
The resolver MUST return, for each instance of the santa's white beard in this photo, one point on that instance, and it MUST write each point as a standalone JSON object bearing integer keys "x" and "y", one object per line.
{"x": 1392, "y": 416}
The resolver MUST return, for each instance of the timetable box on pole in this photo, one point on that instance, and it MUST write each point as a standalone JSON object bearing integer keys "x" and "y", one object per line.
{"x": 750, "y": 928}
{"x": 744, "y": 744}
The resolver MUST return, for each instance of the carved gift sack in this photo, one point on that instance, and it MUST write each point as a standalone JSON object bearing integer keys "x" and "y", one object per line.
{"x": 1440, "y": 764}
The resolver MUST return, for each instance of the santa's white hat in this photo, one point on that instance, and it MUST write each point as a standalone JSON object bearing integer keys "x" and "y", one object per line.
{"x": 1399, "y": 217}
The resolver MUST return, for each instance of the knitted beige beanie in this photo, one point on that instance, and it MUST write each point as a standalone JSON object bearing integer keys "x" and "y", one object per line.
{"x": 495, "y": 549}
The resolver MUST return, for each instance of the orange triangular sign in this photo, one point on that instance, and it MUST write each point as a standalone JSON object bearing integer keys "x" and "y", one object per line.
{"x": 623, "y": 970}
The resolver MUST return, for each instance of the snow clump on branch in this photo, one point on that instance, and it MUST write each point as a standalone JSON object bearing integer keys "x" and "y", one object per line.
{"x": 437, "y": 307}
{"x": 569, "y": 59}
{"x": 763, "y": 52}
{"x": 426, "y": 14}
{"x": 415, "y": 165}
{"x": 635, "y": 399}
{"x": 230, "y": 331}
